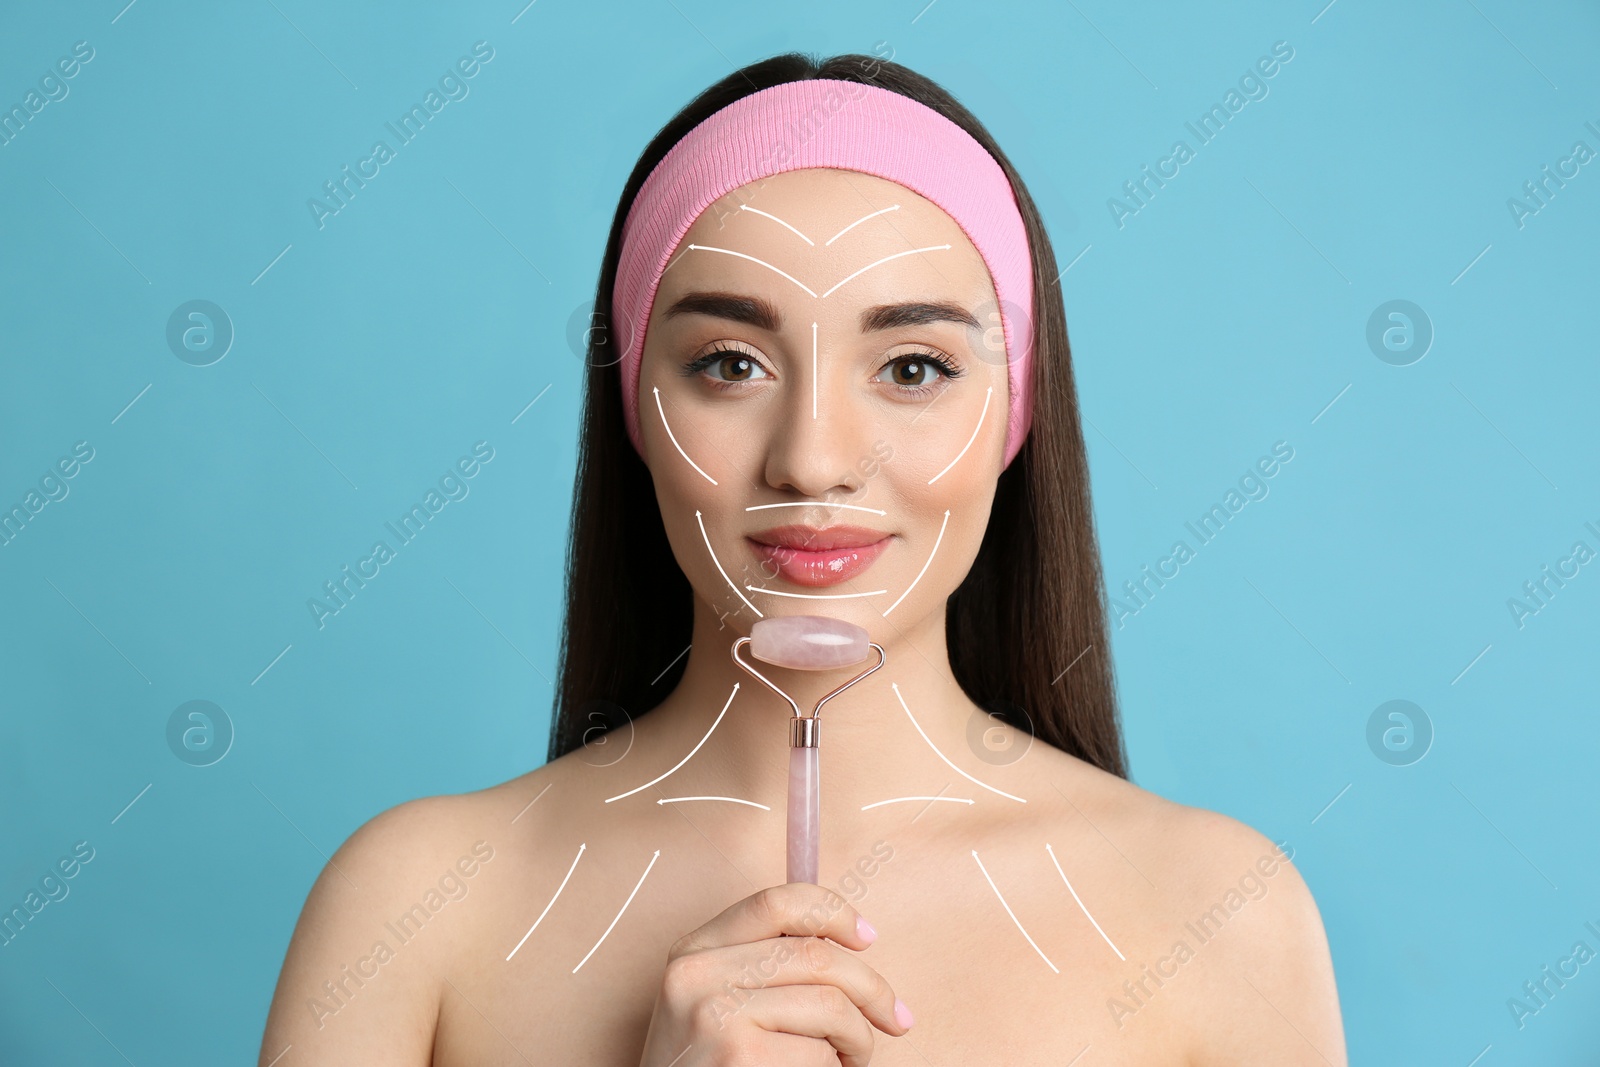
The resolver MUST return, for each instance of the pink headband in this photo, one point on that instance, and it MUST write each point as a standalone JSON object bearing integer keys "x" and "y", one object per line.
{"x": 849, "y": 126}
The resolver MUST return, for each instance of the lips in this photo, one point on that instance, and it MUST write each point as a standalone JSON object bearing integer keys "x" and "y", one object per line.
{"x": 816, "y": 558}
{"x": 812, "y": 539}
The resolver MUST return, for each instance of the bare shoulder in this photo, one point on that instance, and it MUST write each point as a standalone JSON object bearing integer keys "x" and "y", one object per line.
{"x": 1185, "y": 851}
{"x": 1230, "y": 927}
{"x": 361, "y": 978}
{"x": 1271, "y": 971}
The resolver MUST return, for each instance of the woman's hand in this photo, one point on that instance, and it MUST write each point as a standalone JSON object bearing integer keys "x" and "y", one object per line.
{"x": 737, "y": 991}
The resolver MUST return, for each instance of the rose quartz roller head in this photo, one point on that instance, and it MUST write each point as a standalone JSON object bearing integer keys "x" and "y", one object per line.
{"x": 806, "y": 643}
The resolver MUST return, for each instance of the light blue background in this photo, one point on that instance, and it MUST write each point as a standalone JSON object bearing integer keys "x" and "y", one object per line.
{"x": 1228, "y": 314}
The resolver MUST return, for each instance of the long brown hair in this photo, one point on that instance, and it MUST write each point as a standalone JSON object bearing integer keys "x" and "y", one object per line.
{"x": 1026, "y": 630}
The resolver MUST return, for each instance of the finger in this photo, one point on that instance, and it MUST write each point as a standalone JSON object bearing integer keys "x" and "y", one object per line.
{"x": 790, "y": 1050}
{"x": 781, "y": 961}
{"x": 815, "y": 1011}
{"x": 796, "y": 908}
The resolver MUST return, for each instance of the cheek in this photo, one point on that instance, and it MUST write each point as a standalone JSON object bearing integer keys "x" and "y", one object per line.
{"x": 948, "y": 459}
{"x": 689, "y": 436}
{"x": 954, "y": 467}
{"x": 967, "y": 501}
{"x": 688, "y": 503}
{"x": 680, "y": 494}
{"x": 947, "y": 546}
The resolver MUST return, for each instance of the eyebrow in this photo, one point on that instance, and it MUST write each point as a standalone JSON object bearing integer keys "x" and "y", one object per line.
{"x": 763, "y": 314}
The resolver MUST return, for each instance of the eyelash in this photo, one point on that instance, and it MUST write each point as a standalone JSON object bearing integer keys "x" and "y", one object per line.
{"x": 947, "y": 366}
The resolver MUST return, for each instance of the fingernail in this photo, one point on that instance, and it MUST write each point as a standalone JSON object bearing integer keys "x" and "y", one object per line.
{"x": 902, "y": 1014}
{"x": 864, "y": 928}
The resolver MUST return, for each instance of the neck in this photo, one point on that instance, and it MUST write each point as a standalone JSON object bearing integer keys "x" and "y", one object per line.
{"x": 870, "y": 748}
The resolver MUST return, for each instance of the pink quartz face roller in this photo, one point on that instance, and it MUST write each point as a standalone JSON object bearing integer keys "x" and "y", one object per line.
{"x": 806, "y": 643}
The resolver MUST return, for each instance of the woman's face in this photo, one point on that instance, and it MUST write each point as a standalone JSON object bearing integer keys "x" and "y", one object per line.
{"x": 824, "y": 351}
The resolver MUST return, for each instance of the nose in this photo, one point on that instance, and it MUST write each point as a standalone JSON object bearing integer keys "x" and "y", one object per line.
{"x": 818, "y": 438}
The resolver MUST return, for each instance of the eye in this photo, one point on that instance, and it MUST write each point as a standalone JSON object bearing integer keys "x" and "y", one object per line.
{"x": 738, "y": 364}
{"x": 916, "y": 373}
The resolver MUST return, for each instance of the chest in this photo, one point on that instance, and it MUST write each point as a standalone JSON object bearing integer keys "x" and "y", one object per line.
{"x": 996, "y": 959}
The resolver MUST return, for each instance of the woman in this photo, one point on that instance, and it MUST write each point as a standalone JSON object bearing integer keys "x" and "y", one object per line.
{"x": 833, "y": 380}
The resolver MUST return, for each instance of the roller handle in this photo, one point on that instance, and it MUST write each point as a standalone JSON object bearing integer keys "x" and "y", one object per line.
{"x": 805, "y": 824}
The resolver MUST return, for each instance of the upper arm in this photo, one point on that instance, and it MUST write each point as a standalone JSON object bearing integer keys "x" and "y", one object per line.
{"x": 1270, "y": 990}
{"x": 351, "y": 990}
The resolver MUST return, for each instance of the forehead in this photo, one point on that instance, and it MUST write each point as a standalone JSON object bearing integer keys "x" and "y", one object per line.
{"x": 817, "y": 228}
